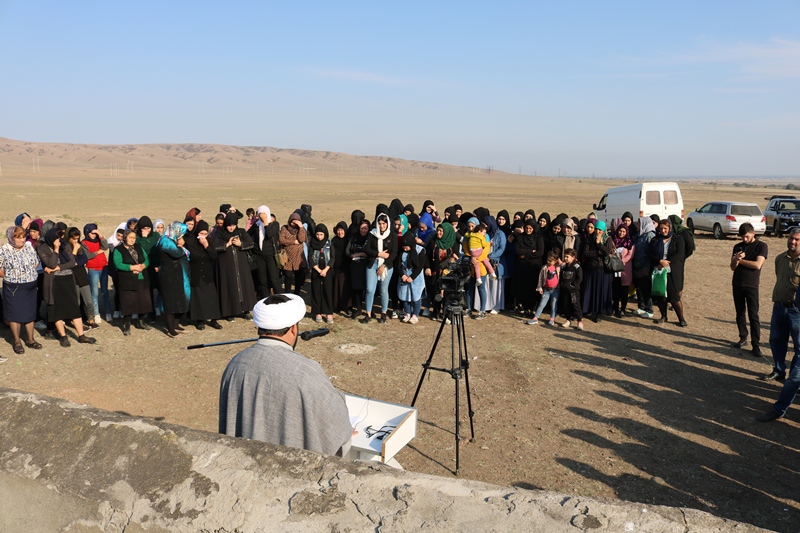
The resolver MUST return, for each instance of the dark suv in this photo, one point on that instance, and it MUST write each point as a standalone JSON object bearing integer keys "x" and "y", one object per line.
{"x": 782, "y": 214}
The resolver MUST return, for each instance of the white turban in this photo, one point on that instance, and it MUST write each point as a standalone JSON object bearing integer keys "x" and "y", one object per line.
{"x": 279, "y": 316}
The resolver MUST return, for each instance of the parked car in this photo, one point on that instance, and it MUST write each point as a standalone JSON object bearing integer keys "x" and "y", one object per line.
{"x": 724, "y": 218}
{"x": 782, "y": 214}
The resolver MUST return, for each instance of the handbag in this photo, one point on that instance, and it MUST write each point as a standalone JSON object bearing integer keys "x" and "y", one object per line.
{"x": 613, "y": 263}
{"x": 251, "y": 261}
{"x": 280, "y": 255}
{"x": 659, "y": 282}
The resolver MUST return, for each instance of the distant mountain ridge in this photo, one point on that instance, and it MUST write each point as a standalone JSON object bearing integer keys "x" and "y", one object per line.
{"x": 199, "y": 155}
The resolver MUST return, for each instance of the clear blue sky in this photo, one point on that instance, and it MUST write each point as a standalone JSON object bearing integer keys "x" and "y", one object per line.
{"x": 607, "y": 88}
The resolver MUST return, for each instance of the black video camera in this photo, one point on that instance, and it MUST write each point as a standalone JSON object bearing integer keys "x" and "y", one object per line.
{"x": 451, "y": 285}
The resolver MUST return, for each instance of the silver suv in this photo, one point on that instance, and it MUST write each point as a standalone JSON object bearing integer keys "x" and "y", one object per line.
{"x": 724, "y": 218}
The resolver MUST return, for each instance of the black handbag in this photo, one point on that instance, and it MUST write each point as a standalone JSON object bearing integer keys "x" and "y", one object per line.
{"x": 613, "y": 263}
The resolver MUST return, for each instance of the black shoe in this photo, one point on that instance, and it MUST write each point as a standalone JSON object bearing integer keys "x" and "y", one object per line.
{"x": 33, "y": 345}
{"x": 596, "y": 318}
{"x": 200, "y": 326}
{"x": 179, "y": 328}
{"x": 64, "y": 341}
{"x": 769, "y": 416}
{"x": 740, "y": 343}
{"x": 660, "y": 320}
{"x": 83, "y": 339}
{"x": 18, "y": 349}
{"x": 365, "y": 319}
{"x": 387, "y": 314}
{"x": 140, "y": 324}
{"x": 126, "y": 330}
{"x": 618, "y": 314}
{"x": 382, "y": 319}
{"x": 756, "y": 351}
{"x": 682, "y": 324}
{"x": 214, "y": 324}
{"x": 774, "y": 375}
{"x": 230, "y": 319}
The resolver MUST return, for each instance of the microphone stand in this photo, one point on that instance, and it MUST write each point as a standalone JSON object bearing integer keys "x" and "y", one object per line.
{"x": 306, "y": 335}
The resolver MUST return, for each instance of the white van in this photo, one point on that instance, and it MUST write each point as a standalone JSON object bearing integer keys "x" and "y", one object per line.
{"x": 662, "y": 198}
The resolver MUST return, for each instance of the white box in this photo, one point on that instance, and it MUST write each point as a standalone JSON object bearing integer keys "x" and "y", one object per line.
{"x": 365, "y": 412}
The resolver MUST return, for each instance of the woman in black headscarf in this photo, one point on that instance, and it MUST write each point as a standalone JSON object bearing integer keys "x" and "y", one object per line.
{"x": 355, "y": 221}
{"x": 321, "y": 256}
{"x": 340, "y": 269}
{"x": 668, "y": 250}
{"x": 132, "y": 283}
{"x": 59, "y": 286}
{"x": 411, "y": 263}
{"x": 358, "y": 267}
{"x": 395, "y": 210}
{"x": 597, "y": 281}
{"x": 203, "y": 300}
{"x": 237, "y": 294}
{"x": 529, "y": 250}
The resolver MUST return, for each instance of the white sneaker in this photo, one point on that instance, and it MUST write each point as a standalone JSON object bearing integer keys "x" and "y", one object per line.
{"x": 413, "y": 320}
{"x": 97, "y": 319}
{"x": 640, "y": 312}
{"x": 109, "y": 318}
{"x": 426, "y": 312}
{"x": 566, "y": 324}
{"x": 493, "y": 312}
{"x": 406, "y": 318}
{"x": 492, "y": 276}
{"x": 478, "y": 282}
{"x": 116, "y": 314}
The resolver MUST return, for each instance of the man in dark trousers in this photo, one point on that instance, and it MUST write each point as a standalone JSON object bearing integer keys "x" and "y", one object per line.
{"x": 746, "y": 262}
{"x": 785, "y": 324}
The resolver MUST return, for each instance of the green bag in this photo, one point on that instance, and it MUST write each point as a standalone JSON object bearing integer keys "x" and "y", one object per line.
{"x": 659, "y": 279}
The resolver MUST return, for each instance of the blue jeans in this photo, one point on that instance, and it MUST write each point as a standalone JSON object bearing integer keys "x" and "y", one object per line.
{"x": 98, "y": 281}
{"x": 372, "y": 284}
{"x": 470, "y": 288}
{"x": 548, "y": 295}
{"x": 789, "y": 390}
{"x": 412, "y": 308}
{"x": 785, "y": 324}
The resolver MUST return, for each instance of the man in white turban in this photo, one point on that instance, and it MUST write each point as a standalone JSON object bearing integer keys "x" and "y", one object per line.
{"x": 273, "y": 394}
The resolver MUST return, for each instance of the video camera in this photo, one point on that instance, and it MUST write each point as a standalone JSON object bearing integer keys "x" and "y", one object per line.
{"x": 451, "y": 285}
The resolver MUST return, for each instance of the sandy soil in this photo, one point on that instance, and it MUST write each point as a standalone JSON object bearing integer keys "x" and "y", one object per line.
{"x": 625, "y": 409}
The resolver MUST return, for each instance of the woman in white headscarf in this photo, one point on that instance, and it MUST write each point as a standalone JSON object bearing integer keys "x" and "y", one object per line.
{"x": 265, "y": 233}
{"x": 381, "y": 250}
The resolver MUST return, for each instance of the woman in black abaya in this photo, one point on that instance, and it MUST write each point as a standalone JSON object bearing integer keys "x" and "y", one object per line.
{"x": 528, "y": 249}
{"x": 237, "y": 295}
{"x": 204, "y": 300}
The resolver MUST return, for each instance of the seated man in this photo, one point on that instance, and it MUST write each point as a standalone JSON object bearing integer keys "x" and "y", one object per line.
{"x": 273, "y": 394}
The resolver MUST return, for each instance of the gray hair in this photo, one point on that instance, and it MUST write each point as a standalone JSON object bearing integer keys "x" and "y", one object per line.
{"x": 794, "y": 231}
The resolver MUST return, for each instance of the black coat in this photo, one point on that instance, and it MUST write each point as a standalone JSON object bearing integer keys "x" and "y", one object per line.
{"x": 237, "y": 294}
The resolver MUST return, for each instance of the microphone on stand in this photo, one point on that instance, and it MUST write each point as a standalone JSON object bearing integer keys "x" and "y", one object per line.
{"x": 308, "y": 335}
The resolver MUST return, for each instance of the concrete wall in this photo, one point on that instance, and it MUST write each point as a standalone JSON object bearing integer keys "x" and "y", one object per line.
{"x": 66, "y": 467}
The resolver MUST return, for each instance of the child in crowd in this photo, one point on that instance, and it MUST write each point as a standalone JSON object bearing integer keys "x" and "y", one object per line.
{"x": 549, "y": 277}
{"x": 476, "y": 242}
{"x": 571, "y": 278}
{"x": 251, "y": 218}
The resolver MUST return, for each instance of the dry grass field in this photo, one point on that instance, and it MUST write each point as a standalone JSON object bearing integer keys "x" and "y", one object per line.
{"x": 625, "y": 409}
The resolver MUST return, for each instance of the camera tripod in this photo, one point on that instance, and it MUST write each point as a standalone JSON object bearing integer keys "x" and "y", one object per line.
{"x": 459, "y": 365}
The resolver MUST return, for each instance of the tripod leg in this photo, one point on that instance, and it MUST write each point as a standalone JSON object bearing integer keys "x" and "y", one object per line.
{"x": 458, "y": 326}
{"x": 465, "y": 363}
{"x": 427, "y": 363}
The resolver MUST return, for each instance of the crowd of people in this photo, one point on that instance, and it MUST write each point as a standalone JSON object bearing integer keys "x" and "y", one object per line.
{"x": 194, "y": 273}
